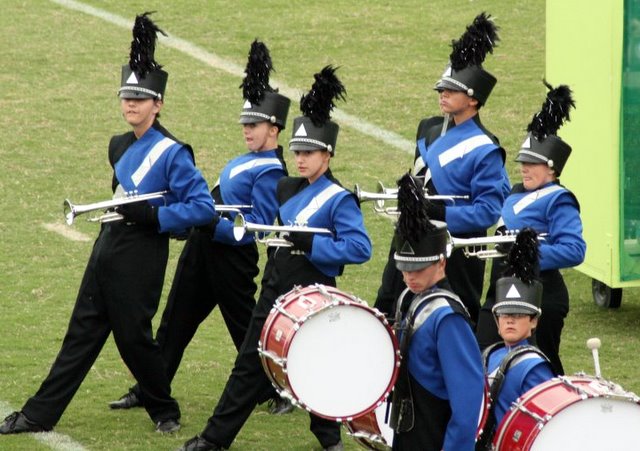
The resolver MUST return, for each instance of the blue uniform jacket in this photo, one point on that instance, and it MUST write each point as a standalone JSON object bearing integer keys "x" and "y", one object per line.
{"x": 328, "y": 205}
{"x": 156, "y": 162}
{"x": 550, "y": 209}
{"x": 467, "y": 161}
{"x": 524, "y": 373}
{"x": 249, "y": 179}
{"x": 445, "y": 360}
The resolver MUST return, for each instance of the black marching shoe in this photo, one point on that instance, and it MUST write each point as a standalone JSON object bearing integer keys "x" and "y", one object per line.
{"x": 17, "y": 423}
{"x": 198, "y": 443}
{"x": 128, "y": 401}
{"x": 280, "y": 406}
{"x": 168, "y": 426}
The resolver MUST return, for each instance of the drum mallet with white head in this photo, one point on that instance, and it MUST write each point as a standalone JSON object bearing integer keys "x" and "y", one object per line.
{"x": 594, "y": 345}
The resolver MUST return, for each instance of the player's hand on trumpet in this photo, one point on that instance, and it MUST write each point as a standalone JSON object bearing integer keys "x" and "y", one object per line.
{"x": 301, "y": 241}
{"x": 140, "y": 213}
{"x": 210, "y": 228}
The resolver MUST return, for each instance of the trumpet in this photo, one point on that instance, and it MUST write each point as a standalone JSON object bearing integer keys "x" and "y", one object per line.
{"x": 477, "y": 247}
{"x": 241, "y": 227}
{"x": 71, "y": 210}
{"x": 384, "y": 194}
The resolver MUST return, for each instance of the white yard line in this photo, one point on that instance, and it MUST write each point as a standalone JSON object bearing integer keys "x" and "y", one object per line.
{"x": 215, "y": 61}
{"x": 53, "y": 440}
{"x": 67, "y": 232}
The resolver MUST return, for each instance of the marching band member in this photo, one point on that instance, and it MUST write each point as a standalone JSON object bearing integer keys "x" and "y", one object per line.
{"x": 457, "y": 155}
{"x": 121, "y": 287}
{"x": 214, "y": 268}
{"x": 315, "y": 199}
{"x": 542, "y": 203}
{"x": 513, "y": 365}
{"x": 439, "y": 393}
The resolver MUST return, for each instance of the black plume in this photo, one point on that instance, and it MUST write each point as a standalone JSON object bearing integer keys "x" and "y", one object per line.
{"x": 523, "y": 257}
{"x": 554, "y": 111}
{"x": 143, "y": 46}
{"x": 478, "y": 40}
{"x": 259, "y": 66}
{"x": 317, "y": 104}
{"x": 413, "y": 206}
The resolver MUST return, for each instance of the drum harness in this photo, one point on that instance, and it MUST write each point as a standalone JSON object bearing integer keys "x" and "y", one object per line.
{"x": 402, "y": 413}
{"x": 512, "y": 358}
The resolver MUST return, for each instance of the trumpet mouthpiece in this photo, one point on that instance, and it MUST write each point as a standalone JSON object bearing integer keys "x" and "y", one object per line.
{"x": 593, "y": 343}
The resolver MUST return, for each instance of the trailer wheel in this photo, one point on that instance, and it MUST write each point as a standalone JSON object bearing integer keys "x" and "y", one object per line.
{"x": 605, "y": 296}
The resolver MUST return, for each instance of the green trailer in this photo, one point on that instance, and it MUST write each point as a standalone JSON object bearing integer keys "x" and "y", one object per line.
{"x": 594, "y": 47}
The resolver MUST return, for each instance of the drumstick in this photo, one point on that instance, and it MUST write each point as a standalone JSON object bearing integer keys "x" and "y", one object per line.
{"x": 594, "y": 344}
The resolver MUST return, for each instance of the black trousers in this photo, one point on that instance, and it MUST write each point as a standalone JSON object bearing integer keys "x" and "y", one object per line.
{"x": 555, "y": 307}
{"x": 208, "y": 274}
{"x": 248, "y": 385}
{"x": 119, "y": 293}
{"x": 465, "y": 275}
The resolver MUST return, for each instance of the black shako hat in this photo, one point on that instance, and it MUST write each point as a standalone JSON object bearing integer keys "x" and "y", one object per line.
{"x": 542, "y": 145}
{"x": 261, "y": 101}
{"x": 315, "y": 130}
{"x": 143, "y": 77}
{"x": 464, "y": 71}
{"x": 419, "y": 242}
{"x": 519, "y": 291}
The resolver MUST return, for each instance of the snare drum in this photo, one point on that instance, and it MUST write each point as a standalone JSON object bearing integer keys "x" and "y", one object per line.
{"x": 571, "y": 413}
{"x": 329, "y": 351}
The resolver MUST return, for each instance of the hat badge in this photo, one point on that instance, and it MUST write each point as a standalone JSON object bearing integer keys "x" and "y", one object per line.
{"x": 527, "y": 143}
{"x": 302, "y": 131}
{"x": 132, "y": 80}
{"x": 407, "y": 249}
{"x": 246, "y": 105}
{"x": 513, "y": 292}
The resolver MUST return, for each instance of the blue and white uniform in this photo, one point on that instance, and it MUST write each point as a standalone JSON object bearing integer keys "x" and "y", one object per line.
{"x": 551, "y": 209}
{"x": 157, "y": 162}
{"x": 218, "y": 270}
{"x": 446, "y": 378}
{"x": 123, "y": 281}
{"x": 323, "y": 203}
{"x": 466, "y": 161}
{"x": 524, "y": 373}
{"x": 250, "y": 179}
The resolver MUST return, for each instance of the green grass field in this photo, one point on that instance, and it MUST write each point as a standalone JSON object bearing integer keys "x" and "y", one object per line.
{"x": 58, "y": 109}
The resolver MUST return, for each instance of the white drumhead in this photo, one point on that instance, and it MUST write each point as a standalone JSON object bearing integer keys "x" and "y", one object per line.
{"x": 341, "y": 361}
{"x": 592, "y": 424}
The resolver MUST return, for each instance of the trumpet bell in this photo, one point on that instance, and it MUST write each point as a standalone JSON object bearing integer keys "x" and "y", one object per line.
{"x": 71, "y": 211}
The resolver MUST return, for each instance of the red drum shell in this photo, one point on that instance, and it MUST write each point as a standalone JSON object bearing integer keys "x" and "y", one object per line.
{"x": 571, "y": 413}
{"x": 329, "y": 351}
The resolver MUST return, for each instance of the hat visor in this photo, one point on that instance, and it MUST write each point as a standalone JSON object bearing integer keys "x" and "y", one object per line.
{"x": 528, "y": 158}
{"x": 306, "y": 147}
{"x": 405, "y": 266}
{"x": 247, "y": 119}
{"x": 444, "y": 84}
{"x": 125, "y": 93}
{"x": 513, "y": 309}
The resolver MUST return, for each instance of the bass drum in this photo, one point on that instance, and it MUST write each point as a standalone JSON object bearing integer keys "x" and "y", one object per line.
{"x": 372, "y": 430}
{"x": 571, "y": 413}
{"x": 329, "y": 352}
